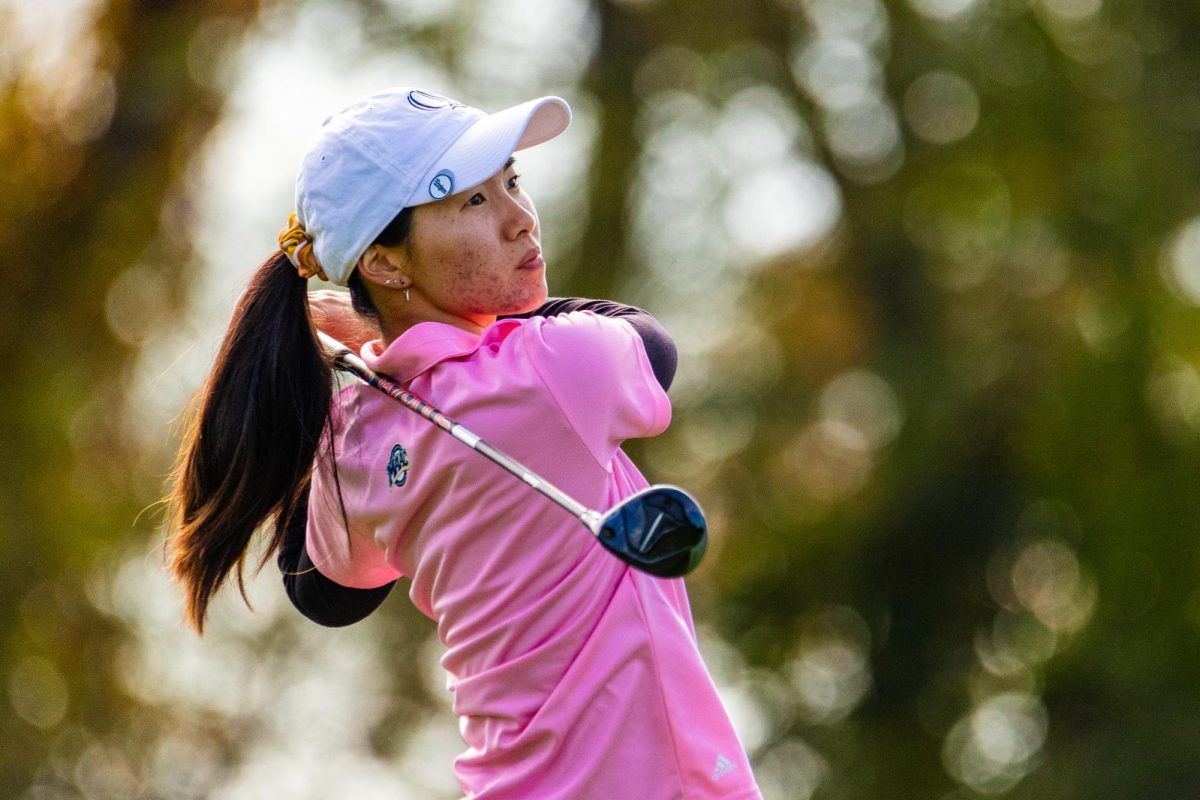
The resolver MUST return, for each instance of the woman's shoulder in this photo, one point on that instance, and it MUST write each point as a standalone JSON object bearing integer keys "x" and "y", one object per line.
{"x": 572, "y": 329}
{"x": 578, "y": 347}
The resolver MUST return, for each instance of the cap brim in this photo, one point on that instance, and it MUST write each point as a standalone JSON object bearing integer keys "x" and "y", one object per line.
{"x": 481, "y": 151}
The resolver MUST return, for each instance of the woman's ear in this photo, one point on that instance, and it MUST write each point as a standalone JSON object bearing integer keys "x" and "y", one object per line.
{"x": 384, "y": 266}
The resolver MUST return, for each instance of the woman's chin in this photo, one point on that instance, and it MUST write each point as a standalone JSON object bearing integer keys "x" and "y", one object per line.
{"x": 534, "y": 301}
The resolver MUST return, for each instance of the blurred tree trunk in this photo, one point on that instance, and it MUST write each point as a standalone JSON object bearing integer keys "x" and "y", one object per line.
{"x": 605, "y": 252}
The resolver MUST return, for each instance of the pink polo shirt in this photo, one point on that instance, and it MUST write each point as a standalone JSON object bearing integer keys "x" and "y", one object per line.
{"x": 573, "y": 675}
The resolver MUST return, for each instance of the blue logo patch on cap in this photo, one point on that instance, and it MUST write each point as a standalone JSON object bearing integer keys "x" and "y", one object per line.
{"x": 397, "y": 466}
{"x": 442, "y": 185}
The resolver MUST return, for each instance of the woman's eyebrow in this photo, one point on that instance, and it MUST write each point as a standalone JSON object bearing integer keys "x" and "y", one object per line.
{"x": 511, "y": 160}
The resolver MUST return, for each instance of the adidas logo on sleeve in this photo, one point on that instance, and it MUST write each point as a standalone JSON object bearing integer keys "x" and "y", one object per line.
{"x": 722, "y": 768}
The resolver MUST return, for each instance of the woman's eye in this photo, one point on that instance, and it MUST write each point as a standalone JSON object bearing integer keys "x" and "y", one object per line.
{"x": 478, "y": 198}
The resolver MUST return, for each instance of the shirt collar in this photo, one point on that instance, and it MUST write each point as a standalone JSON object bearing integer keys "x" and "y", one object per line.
{"x": 426, "y": 344}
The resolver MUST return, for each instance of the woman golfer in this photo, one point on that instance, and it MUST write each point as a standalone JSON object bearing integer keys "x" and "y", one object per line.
{"x": 573, "y": 675}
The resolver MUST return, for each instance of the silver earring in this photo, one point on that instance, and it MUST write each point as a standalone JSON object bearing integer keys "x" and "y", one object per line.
{"x": 406, "y": 294}
{"x": 390, "y": 281}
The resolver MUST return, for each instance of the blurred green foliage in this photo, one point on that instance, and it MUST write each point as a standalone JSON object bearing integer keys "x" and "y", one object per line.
{"x": 95, "y": 133}
{"x": 948, "y": 440}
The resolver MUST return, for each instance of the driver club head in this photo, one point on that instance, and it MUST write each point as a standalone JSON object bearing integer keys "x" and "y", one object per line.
{"x": 660, "y": 530}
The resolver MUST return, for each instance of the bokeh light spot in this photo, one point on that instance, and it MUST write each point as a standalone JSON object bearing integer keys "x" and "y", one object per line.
{"x": 865, "y": 402}
{"x": 791, "y": 769}
{"x": 865, "y": 140}
{"x": 1101, "y": 320}
{"x": 1180, "y": 265}
{"x": 782, "y": 207}
{"x": 831, "y": 674}
{"x": 37, "y": 692}
{"x": 1173, "y": 394}
{"x": 135, "y": 304}
{"x": 829, "y": 461}
{"x": 1074, "y": 10}
{"x": 1048, "y": 581}
{"x": 837, "y": 73}
{"x": 993, "y": 747}
{"x": 862, "y": 20}
{"x": 670, "y": 68}
{"x": 941, "y": 107}
{"x": 104, "y": 771}
{"x": 1038, "y": 260}
{"x": 757, "y": 127}
{"x": 943, "y": 10}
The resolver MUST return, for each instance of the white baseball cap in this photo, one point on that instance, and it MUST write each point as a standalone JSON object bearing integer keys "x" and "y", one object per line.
{"x": 404, "y": 147}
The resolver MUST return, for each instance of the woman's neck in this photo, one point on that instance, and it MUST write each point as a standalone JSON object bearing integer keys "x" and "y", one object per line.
{"x": 398, "y": 317}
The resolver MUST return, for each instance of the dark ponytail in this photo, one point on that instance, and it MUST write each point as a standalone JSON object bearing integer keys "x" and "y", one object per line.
{"x": 248, "y": 452}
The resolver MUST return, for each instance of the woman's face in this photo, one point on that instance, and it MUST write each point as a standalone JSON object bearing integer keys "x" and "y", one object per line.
{"x": 477, "y": 253}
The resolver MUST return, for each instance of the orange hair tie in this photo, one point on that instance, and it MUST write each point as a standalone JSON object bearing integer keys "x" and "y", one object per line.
{"x": 296, "y": 244}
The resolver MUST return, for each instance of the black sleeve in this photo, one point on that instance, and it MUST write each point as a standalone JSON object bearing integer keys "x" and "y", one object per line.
{"x": 660, "y": 348}
{"x": 320, "y": 599}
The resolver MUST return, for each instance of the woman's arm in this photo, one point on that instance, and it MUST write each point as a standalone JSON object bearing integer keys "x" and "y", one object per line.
{"x": 660, "y": 348}
{"x": 333, "y": 314}
{"x": 320, "y": 599}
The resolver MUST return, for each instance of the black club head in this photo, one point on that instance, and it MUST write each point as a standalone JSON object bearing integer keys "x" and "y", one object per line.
{"x": 660, "y": 530}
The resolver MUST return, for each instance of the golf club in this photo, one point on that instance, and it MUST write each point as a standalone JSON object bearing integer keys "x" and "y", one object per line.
{"x": 660, "y": 530}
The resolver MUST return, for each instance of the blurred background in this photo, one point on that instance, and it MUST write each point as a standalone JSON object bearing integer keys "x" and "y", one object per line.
{"x": 933, "y": 269}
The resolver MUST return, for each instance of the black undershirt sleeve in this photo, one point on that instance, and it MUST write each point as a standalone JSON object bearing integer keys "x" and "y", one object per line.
{"x": 327, "y": 602}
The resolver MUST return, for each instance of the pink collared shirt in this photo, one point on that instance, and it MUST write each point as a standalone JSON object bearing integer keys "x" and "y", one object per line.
{"x": 573, "y": 675}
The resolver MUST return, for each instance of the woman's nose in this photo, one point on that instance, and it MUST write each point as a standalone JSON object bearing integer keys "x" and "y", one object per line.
{"x": 521, "y": 218}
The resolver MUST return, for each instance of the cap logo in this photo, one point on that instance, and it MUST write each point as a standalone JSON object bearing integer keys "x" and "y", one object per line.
{"x": 428, "y": 101}
{"x": 441, "y": 185}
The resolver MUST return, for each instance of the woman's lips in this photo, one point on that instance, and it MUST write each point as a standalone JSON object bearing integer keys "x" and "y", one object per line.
{"x": 533, "y": 260}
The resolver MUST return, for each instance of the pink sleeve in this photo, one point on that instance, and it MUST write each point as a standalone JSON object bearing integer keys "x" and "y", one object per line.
{"x": 598, "y": 373}
{"x": 347, "y": 557}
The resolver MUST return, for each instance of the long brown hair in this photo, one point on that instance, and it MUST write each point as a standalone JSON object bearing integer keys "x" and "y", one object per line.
{"x": 248, "y": 451}
{"x": 247, "y": 454}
